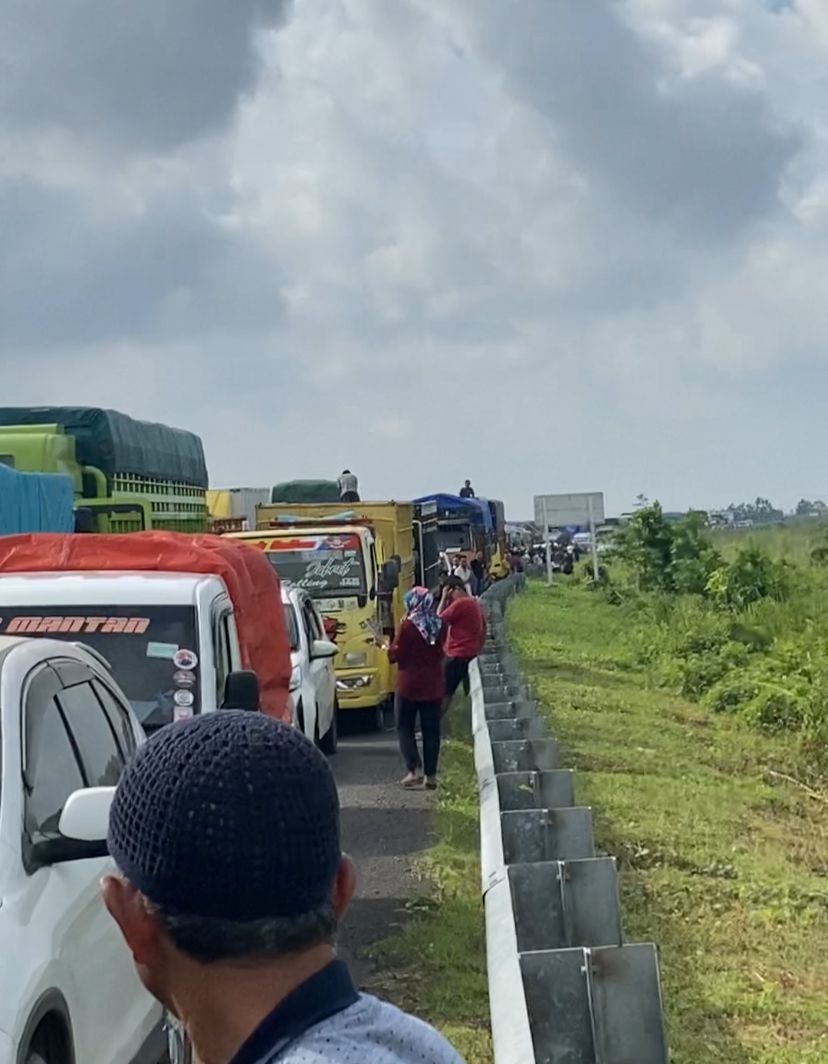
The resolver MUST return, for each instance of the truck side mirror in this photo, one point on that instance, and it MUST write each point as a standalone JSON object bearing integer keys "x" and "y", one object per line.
{"x": 241, "y": 690}
{"x": 391, "y": 574}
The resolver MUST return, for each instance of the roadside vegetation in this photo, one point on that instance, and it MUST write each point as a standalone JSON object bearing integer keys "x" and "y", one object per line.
{"x": 436, "y": 965}
{"x": 687, "y": 691}
{"x": 737, "y": 622}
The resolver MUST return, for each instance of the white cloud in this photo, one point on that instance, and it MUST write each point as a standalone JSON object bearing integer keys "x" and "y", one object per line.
{"x": 541, "y": 244}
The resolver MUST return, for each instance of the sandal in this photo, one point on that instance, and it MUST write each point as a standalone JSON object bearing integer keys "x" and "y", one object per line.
{"x": 411, "y": 781}
{"x": 431, "y": 783}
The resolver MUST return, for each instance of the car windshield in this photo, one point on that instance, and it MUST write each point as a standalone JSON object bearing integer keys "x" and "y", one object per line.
{"x": 292, "y": 626}
{"x": 324, "y": 566}
{"x": 151, "y": 650}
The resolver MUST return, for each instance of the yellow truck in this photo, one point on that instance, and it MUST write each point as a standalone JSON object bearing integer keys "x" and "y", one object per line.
{"x": 356, "y": 560}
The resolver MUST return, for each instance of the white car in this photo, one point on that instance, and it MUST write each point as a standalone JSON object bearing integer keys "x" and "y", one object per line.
{"x": 312, "y": 680}
{"x": 69, "y": 993}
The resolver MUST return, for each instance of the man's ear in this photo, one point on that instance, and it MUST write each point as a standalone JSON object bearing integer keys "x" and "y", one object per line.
{"x": 128, "y": 909}
{"x": 344, "y": 886}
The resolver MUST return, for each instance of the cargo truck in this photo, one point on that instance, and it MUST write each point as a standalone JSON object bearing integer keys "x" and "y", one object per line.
{"x": 356, "y": 560}
{"x": 463, "y": 525}
{"x": 234, "y": 509}
{"x": 127, "y": 475}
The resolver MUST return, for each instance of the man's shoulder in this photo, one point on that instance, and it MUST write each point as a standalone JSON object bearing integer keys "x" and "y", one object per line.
{"x": 371, "y": 1031}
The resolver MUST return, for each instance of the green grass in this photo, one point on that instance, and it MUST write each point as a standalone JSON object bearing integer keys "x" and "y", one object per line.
{"x": 792, "y": 540}
{"x": 439, "y": 956}
{"x": 721, "y": 863}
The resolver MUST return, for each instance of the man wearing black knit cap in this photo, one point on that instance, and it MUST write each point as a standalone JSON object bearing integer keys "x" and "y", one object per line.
{"x": 225, "y": 830}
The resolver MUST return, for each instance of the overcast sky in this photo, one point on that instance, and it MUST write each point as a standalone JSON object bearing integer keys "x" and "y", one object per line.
{"x": 550, "y": 245}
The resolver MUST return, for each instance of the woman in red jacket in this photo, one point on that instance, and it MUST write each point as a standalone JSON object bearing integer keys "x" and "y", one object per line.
{"x": 418, "y": 653}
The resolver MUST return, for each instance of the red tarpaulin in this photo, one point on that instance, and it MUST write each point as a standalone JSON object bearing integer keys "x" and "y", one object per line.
{"x": 250, "y": 578}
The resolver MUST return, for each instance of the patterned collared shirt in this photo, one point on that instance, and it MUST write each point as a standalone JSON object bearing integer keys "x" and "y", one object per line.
{"x": 325, "y": 1019}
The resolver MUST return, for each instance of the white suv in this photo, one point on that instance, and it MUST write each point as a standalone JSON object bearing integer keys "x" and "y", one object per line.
{"x": 313, "y": 680}
{"x": 68, "y": 989}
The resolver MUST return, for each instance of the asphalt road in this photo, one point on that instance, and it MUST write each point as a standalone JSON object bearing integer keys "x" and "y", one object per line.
{"x": 384, "y": 828}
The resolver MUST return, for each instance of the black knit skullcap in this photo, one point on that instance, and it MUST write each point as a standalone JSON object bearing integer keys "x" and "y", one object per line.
{"x": 230, "y": 815}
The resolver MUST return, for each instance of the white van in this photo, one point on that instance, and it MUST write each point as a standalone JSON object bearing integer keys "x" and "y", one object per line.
{"x": 169, "y": 638}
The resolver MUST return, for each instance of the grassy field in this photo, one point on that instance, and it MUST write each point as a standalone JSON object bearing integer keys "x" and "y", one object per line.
{"x": 722, "y": 862}
{"x": 792, "y": 540}
{"x": 439, "y": 958}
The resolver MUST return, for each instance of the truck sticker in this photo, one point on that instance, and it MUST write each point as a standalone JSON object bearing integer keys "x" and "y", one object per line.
{"x": 162, "y": 650}
{"x": 185, "y": 659}
{"x": 183, "y": 698}
{"x": 60, "y": 625}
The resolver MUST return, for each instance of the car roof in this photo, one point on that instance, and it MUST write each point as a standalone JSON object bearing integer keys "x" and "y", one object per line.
{"x": 58, "y": 588}
{"x": 40, "y": 647}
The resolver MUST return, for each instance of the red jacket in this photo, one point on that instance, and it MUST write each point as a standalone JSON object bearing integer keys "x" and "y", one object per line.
{"x": 419, "y": 664}
{"x": 466, "y": 623}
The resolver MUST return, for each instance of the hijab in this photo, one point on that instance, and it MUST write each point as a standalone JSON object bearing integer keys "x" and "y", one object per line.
{"x": 420, "y": 610}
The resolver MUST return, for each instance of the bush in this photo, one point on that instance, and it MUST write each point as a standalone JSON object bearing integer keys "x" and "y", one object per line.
{"x": 750, "y": 577}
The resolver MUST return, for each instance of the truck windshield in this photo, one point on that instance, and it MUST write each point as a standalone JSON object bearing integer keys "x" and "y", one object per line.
{"x": 322, "y": 565}
{"x": 151, "y": 650}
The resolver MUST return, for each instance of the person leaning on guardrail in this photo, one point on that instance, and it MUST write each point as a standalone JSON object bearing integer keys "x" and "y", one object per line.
{"x": 465, "y": 623}
{"x": 225, "y": 831}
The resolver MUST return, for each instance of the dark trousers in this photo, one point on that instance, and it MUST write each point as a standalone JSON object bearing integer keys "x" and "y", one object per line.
{"x": 429, "y": 714}
{"x": 456, "y": 671}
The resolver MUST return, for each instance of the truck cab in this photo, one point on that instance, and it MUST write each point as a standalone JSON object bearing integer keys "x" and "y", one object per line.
{"x": 170, "y": 639}
{"x": 356, "y": 562}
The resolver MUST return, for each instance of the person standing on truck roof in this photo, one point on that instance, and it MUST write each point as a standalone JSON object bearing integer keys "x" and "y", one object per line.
{"x": 465, "y": 620}
{"x": 348, "y": 487}
{"x": 467, "y": 491}
{"x": 230, "y": 888}
{"x": 417, "y": 652}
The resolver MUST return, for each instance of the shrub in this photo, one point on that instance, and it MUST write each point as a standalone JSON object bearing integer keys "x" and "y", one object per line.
{"x": 750, "y": 577}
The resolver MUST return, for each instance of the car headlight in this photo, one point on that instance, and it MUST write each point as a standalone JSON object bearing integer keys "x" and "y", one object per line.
{"x": 353, "y": 683}
{"x": 353, "y": 659}
{"x": 296, "y": 677}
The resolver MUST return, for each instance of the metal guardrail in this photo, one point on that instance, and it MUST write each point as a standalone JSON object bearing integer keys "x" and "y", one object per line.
{"x": 564, "y": 987}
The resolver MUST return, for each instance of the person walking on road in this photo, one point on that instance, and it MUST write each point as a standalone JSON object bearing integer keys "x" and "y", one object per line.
{"x": 465, "y": 622}
{"x": 230, "y": 889}
{"x": 418, "y": 653}
{"x": 348, "y": 487}
{"x": 479, "y": 572}
{"x": 462, "y": 570}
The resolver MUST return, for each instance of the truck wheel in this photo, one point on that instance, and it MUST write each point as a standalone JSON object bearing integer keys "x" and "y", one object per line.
{"x": 330, "y": 740}
{"x": 378, "y": 718}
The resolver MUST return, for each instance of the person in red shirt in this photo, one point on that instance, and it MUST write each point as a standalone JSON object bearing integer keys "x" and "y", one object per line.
{"x": 417, "y": 651}
{"x": 465, "y": 620}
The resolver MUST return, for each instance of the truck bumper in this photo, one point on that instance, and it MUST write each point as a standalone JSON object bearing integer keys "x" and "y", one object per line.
{"x": 359, "y": 689}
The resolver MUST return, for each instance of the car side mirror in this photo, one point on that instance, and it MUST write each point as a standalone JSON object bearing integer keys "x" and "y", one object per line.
{"x": 82, "y": 831}
{"x": 322, "y": 648}
{"x": 241, "y": 690}
{"x": 85, "y": 816}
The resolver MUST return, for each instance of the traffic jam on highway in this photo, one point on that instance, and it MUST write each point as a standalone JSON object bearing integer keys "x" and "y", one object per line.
{"x": 133, "y": 597}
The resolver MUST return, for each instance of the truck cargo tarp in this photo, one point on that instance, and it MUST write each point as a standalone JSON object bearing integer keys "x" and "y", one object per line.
{"x": 116, "y": 443}
{"x": 296, "y": 491}
{"x": 455, "y": 506}
{"x": 35, "y": 502}
{"x": 250, "y": 579}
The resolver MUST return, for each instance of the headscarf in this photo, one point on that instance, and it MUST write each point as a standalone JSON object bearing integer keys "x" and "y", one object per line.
{"x": 419, "y": 606}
